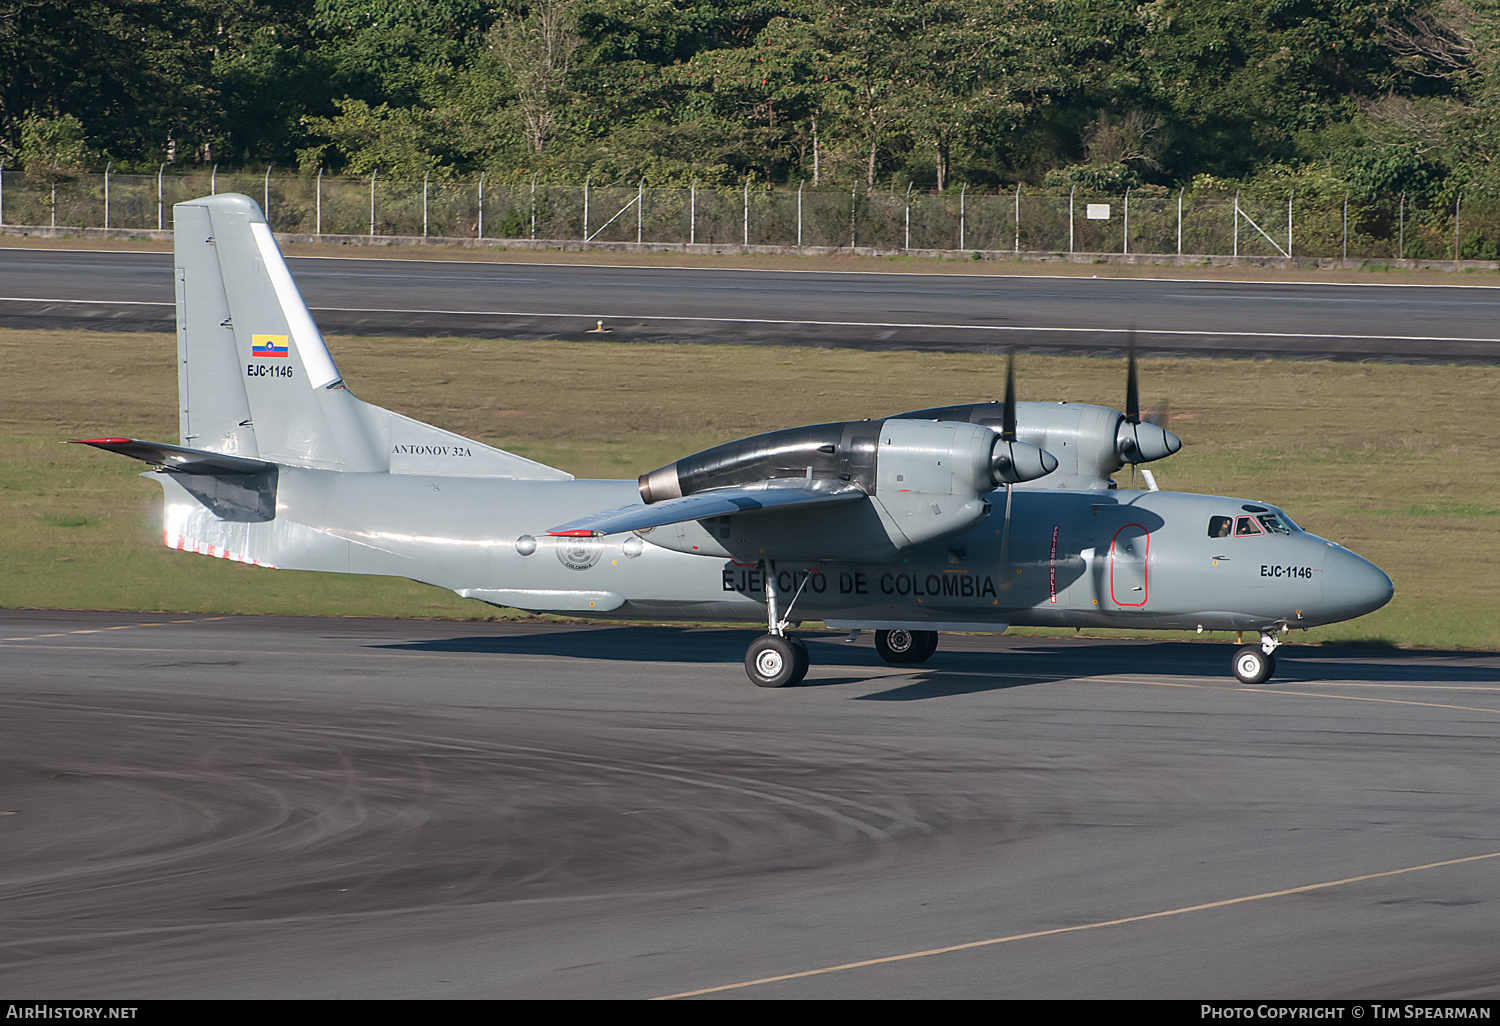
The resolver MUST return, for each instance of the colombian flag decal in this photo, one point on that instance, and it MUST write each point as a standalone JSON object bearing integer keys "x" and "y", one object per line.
{"x": 269, "y": 345}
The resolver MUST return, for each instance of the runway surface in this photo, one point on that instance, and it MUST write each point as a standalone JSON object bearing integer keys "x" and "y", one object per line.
{"x": 255, "y": 806}
{"x": 960, "y": 312}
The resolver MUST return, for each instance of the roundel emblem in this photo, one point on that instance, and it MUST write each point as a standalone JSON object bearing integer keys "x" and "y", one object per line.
{"x": 576, "y": 554}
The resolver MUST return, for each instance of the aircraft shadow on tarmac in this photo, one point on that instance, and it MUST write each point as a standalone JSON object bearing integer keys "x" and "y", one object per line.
{"x": 1008, "y": 664}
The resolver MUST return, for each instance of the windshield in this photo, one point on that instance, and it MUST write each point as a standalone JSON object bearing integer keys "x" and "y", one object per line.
{"x": 1274, "y": 524}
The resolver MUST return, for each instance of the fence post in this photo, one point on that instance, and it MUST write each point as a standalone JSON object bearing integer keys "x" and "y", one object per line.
{"x": 374, "y": 173}
{"x": 693, "y": 213}
{"x": 1346, "y": 227}
{"x": 213, "y": 181}
{"x": 586, "y": 181}
{"x": 1289, "y": 226}
{"x": 267, "y": 210}
{"x": 533, "y": 204}
{"x": 1018, "y": 218}
{"x": 106, "y": 193}
{"x": 1236, "y": 225}
{"x": 799, "y": 212}
{"x": 747, "y": 210}
{"x": 425, "y": 176}
{"x": 1401, "y": 228}
{"x": 852, "y": 193}
{"x": 640, "y": 207}
{"x": 54, "y": 194}
{"x": 2, "y": 192}
{"x": 908, "y": 217}
{"x": 1071, "y": 190}
{"x": 1457, "y": 203}
{"x": 961, "y": 191}
{"x": 1125, "y": 226}
{"x": 318, "y": 227}
{"x": 158, "y": 196}
{"x": 480, "y": 227}
{"x": 1179, "y": 219}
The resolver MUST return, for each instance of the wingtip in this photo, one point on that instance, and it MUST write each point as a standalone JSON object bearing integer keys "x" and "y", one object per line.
{"x": 99, "y": 441}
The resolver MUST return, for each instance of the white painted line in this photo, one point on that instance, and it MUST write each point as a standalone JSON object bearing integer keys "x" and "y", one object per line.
{"x": 971, "y": 945}
{"x": 813, "y": 271}
{"x": 920, "y": 325}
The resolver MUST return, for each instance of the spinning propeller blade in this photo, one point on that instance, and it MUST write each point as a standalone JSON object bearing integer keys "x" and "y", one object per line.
{"x": 1008, "y": 433}
{"x": 1008, "y": 415}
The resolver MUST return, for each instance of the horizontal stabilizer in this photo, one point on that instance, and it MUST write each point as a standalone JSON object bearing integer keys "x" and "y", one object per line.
{"x": 715, "y": 502}
{"x": 177, "y": 457}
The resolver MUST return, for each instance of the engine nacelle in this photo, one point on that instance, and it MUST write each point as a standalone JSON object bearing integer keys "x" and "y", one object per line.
{"x": 932, "y": 476}
{"x": 922, "y": 480}
{"x": 1090, "y": 442}
{"x": 832, "y": 456}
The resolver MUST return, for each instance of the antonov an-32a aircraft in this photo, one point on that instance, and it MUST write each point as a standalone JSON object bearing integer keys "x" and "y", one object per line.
{"x": 960, "y": 518}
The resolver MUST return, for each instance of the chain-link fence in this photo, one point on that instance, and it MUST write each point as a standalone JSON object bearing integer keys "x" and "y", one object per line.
{"x": 1150, "y": 222}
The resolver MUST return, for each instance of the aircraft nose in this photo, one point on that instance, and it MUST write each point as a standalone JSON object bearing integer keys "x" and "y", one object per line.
{"x": 1352, "y": 585}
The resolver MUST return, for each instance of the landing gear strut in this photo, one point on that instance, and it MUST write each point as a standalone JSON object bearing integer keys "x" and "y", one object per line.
{"x": 1254, "y": 664}
{"x": 775, "y": 660}
{"x": 905, "y": 646}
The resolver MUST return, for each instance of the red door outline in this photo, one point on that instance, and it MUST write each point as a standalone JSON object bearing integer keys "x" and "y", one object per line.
{"x": 1145, "y": 566}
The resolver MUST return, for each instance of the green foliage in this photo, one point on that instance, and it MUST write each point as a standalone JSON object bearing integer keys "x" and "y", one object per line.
{"x": 52, "y": 147}
{"x": 398, "y": 141}
{"x": 1390, "y": 97}
{"x": 1098, "y": 178}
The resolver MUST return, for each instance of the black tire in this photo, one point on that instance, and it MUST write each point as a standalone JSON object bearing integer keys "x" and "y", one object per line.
{"x": 1253, "y": 666}
{"x": 773, "y": 662}
{"x": 902, "y": 646}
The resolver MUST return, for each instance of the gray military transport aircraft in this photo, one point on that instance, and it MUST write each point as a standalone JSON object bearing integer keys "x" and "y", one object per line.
{"x": 896, "y": 525}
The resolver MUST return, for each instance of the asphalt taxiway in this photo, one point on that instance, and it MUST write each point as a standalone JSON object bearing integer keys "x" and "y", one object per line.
{"x": 1397, "y": 322}
{"x": 255, "y": 806}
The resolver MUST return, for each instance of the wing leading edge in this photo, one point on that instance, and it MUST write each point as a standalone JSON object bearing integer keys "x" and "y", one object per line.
{"x": 701, "y": 505}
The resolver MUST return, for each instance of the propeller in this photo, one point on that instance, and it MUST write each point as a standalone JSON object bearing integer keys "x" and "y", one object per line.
{"x": 1008, "y": 435}
{"x": 1138, "y": 441}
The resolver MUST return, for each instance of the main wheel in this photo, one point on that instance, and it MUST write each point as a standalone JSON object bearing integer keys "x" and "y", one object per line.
{"x": 774, "y": 662}
{"x": 904, "y": 646}
{"x": 1253, "y": 666}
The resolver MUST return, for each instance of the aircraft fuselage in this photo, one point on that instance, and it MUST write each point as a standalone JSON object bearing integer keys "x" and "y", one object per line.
{"x": 1092, "y": 558}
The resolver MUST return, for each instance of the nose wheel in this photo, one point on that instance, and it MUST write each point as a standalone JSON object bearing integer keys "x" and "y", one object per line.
{"x": 1254, "y": 664}
{"x": 903, "y": 646}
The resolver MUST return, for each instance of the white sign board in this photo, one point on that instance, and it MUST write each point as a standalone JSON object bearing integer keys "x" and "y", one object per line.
{"x": 1098, "y": 212}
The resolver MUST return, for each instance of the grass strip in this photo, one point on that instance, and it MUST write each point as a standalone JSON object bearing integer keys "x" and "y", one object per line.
{"x": 1397, "y": 462}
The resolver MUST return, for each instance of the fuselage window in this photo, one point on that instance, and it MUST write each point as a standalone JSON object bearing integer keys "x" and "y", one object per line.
{"x": 1218, "y": 527}
{"x": 1273, "y": 524}
{"x": 1246, "y": 526}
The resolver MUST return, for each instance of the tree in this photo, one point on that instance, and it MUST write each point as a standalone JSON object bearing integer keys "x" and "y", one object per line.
{"x": 537, "y": 51}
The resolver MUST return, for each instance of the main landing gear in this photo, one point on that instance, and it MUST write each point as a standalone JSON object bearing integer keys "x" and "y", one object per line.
{"x": 902, "y": 646}
{"x": 1254, "y": 664}
{"x": 775, "y": 660}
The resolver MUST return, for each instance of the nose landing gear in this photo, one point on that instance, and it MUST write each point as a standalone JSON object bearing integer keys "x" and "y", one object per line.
{"x": 1254, "y": 664}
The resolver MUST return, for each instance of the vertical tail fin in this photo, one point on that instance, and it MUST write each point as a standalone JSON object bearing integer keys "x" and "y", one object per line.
{"x": 255, "y": 378}
{"x": 250, "y": 350}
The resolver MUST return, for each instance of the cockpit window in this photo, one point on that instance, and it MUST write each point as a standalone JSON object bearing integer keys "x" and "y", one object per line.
{"x": 1218, "y": 527}
{"x": 1274, "y": 524}
{"x": 1246, "y": 526}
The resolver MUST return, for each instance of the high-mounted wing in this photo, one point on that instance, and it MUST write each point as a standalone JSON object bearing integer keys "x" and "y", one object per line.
{"x": 701, "y": 505}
